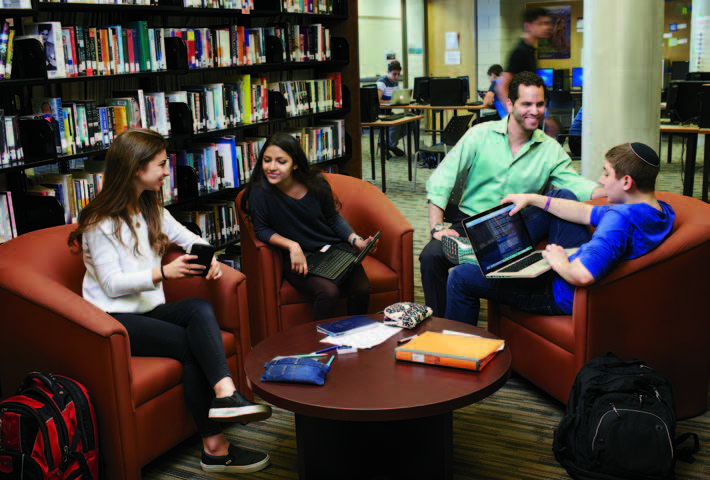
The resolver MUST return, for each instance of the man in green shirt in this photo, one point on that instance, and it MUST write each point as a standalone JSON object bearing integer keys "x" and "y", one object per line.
{"x": 492, "y": 160}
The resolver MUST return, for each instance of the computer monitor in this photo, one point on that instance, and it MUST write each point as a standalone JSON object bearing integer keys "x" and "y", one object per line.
{"x": 446, "y": 92}
{"x": 684, "y": 99}
{"x": 465, "y": 88}
{"x": 698, "y": 76}
{"x": 420, "y": 92}
{"x": 577, "y": 79}
{"x": 546, "y": 75}
{"x": 679, "y": 70}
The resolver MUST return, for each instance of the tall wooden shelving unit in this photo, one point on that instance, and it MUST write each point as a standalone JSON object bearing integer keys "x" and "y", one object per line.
{"x": 16, "y": 93}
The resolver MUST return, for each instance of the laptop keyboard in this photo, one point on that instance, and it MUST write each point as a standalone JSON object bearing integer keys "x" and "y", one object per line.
{"x": 524, "y": 263}
{"x": 337, "y": 261}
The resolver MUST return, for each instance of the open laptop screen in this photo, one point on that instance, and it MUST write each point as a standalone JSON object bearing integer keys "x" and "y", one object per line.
{"x": 497, "y": 238}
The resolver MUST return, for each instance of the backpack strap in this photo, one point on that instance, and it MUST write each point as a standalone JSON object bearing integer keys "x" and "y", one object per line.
{"x": 686, "y": 454}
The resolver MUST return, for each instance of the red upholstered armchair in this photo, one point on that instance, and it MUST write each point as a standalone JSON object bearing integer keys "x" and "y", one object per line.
{"x": 46, "y": 325}
{"x": 654, "y": 308}
{"x": 274, "y": 305}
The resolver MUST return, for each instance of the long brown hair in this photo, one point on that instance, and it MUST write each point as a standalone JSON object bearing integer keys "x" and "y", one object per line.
{"x": 129, "y": 152}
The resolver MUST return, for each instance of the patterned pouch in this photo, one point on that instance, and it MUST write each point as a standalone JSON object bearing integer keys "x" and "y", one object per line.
{"x": 406, "y": 314}
{"x": 458, "y": 250}
{"x": 295, "y": 370}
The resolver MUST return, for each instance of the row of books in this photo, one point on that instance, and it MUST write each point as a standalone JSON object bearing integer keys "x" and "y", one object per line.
{"x": 216, "y": 220}
{"x": 311, "y": 96}
{"x": 322, "y": 7}
{"x": 73, "y": 51}
{"x": 322, "y": 142}
{"x": 105, "y": 2}
{"x": 7, "y": 36}
{"x": 8, "y": 229}
{"x": 10, "y": 147}
{"x": 15, "y": 4}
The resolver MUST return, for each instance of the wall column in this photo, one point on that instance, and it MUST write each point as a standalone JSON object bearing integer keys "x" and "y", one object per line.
{"x": 622, "y": 59}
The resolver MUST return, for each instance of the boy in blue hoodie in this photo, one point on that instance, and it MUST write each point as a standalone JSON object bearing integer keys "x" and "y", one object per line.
{"x": 634, "y": 224}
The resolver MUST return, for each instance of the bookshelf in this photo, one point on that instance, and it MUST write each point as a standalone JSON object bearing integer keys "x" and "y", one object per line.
{"x": 191, "y": 50}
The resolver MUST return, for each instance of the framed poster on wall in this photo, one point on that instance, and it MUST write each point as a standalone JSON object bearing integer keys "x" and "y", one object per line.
{"x": 558, "y": 45}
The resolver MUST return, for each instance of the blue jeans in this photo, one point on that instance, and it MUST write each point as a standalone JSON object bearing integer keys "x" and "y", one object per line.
{"x": 186, "y": 331}
{"x": 466, "y": 284}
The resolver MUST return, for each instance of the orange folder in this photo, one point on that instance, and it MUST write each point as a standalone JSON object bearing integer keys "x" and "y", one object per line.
{"x": 459, "y": 351}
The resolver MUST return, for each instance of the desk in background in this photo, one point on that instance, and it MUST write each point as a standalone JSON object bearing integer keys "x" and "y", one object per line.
{"x": 384, "y": 127}
{"x": 475, "y": 109}
{"x": 691, "y": 132}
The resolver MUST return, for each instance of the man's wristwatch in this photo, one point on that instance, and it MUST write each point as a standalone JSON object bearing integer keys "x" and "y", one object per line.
{"x": 437, "y": 228}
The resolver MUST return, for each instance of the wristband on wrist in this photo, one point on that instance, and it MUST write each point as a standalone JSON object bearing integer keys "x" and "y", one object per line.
{"x": 162, "y": 272}
{"x": 354, "y": 240}
{"x": 547, "y": 204}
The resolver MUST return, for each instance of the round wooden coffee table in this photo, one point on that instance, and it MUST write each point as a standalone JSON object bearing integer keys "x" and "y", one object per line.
{"x": 375, "y": 417}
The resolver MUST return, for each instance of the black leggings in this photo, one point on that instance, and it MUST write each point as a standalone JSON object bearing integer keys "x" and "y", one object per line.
{"x": 325, "y": 293}
{"x": 188, "y": 332}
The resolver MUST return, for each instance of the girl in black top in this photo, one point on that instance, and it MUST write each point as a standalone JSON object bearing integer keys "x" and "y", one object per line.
{"x": 293, "y": 208}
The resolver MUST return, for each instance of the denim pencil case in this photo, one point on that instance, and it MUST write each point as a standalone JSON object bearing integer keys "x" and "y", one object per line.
{"x": 295, "y": 370}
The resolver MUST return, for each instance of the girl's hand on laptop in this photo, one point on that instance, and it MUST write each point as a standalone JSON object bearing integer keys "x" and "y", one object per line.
{"x": 360, "y": 244}
{"x": 298, "y": 260}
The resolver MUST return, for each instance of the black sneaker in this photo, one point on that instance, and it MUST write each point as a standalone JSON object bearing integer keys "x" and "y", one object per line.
{"x": 236, "y": 408}
{"x": 239, "y": 460}
{"x": 398, "y": 152}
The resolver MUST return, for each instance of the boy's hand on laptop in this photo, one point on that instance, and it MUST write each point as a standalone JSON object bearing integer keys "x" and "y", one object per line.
{"x": 556, "y": 256}
{"x": 521, "y": 200}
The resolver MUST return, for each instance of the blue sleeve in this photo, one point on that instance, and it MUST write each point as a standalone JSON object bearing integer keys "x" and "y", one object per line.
{"x": 608, "y": 244}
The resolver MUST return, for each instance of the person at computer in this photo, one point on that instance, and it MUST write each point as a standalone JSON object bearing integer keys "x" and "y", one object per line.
{"x": 632, "y": 225}
{"x": 537, "y": 25}
{"x": 575, "y": 131}
{"x": 293, "y": 208}
{"x": 490, "y": 100}
{"x": 122, "y": 234}
{"x": 385, "y": 86}
{"x": 491, "y": 161}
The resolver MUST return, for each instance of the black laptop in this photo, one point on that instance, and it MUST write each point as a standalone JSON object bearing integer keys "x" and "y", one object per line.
{"x": 337, "y": 261}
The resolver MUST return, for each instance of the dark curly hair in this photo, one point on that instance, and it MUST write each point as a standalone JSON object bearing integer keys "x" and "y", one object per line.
{"x": 528, "y": 79}
{"x": 306, "y": 174}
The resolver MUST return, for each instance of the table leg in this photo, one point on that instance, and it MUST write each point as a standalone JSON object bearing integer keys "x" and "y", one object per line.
{"x": 689, "y": 174}
{"x": 414, "y": 449}
{"x": 670, "y": 147}
{"x": 706, "y": 166}
{"x": 409, "y": 149}
{"x": 372, "y": 151}
{"x": 384, "y": 143}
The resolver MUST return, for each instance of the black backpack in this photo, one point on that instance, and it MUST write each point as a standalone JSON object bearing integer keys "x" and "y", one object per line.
{"x": 48, "y": 431}
{"x": 620, "y": 424}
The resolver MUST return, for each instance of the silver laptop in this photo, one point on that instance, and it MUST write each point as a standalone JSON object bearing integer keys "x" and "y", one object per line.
{"x": 401, "y": 96}
{"x": 502, "y": 244}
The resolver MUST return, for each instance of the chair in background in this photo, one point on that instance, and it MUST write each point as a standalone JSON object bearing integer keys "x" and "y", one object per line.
{"x": 275, "y": 305}
{"x": 653, "y": 308}
{"x": 570, "y": 139}
{"x": 561, "y": 109}
{"x": 455, "y": 129}
{"x": 47, "y": 326}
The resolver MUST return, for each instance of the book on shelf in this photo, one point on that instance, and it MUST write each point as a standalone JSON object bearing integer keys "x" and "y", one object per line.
{"x": 450, "y": 350}
{"x": 8, "y": 227}
{"x": 52, "y": 40}
{"x": 53, "y": 107}
{"x": 15, "y": 4}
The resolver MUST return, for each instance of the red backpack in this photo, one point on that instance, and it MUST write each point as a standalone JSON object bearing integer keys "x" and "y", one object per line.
{"x": 48, "y": 430}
